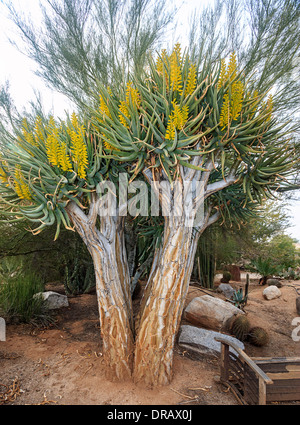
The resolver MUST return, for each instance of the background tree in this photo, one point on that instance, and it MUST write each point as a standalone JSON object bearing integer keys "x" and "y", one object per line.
{"x": 80, "y": 42}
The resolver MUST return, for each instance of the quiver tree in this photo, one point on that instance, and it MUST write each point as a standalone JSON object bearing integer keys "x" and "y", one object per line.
{"x": 179, "y": 121}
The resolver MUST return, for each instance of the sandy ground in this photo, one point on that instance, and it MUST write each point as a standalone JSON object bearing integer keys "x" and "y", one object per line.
{"x": 62, "y": 365}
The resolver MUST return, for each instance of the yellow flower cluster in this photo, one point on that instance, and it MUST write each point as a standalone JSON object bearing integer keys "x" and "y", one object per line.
{"x": 103, "y": 108}
{"x": 162, "y": 61}
{"x": 27, "y": 134}
{"x": 177, "y": 119}
{"x": 3, "y": 172}
{"x": 233, "y": 99}
{"x": 132, "y": 98}
{"x": 171, "y": 66}
{"x": 175, "y": 69}
{"x": 78, "y": 146}
{"x": 191, "y": 80}
{"x": 21, "y": 187}
{"x": 57, "y": 149}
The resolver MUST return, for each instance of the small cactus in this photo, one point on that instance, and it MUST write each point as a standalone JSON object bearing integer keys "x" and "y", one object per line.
{"x": 258, "y": 336}
{"x": 226, "y": 277}
{"x": 240, "y": 327}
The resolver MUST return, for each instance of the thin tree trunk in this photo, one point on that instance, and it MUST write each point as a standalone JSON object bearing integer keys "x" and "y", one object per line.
{"x": 163, "y": 307}
{"x": 113, "y": 291}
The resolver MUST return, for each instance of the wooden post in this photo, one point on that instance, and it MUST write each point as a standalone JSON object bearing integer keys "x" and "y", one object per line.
{"x": 262, "y": 391}
{"x": 224, "y": 362}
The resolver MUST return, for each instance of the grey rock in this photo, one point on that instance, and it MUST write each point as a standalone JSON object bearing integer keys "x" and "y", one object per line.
{"x": 271, "y": 292}
{"x": 226, "y": 290}
{"x": 202, "y": 341}
{"x": 274, "y": 282}
{"x": 53, "y": 300}
{"x": 212, "y": 313}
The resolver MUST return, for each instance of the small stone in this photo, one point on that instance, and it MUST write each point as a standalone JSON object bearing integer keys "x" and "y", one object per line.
{"x": 271, "y": 292}
{"x": 53, "y": 300}
{"x": 274, "y": 282}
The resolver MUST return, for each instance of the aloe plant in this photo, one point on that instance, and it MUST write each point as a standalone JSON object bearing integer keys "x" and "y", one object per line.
{"x": 180, "y": 118}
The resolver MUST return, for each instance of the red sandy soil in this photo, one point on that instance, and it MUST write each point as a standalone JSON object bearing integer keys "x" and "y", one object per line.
{"x": 62, "y": 364}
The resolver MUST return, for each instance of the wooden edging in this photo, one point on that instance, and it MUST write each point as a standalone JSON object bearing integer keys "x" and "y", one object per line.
{"x": 259, "y": 373}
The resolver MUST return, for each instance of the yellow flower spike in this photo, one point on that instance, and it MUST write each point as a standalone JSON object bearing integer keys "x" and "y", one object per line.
{"x": 161, "y": 61}
{"x": 132, "y": 96}
{"x": 231, "y": 107}
{"x": 177, "y": 53}
{"x": 104, "y": 108}
{"x": 63, "y": 158}
{"x": 21, "y": 187}
{"x": 3, "y": 175}
{"x": 57, "y": 150}
{"x": 170, "y": 131}
{"x": 78, "y": 147}
{"x": 223, "y": 74}
{"x": 232, "y": 67}
{"x": 38, "y": 129}
{"x": 225, "y": 112}
{"x": 237, "y": 99}
{"x": 124, "y": 109}
{"x": 52, "y": 143}
{"x": 74, "y": 120}
{"x": 177, "y": 119}
{"x": 27, "y": 134}
{"x": 175, "y": 71}
{"x": 191, "y": 80}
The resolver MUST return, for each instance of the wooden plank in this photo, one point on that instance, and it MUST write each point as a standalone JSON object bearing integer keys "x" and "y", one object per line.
{"x": 279, "y": 367}
{"x": 283, "y": 389}
{"x": 258, "y": 371}
{"x": 290, "y": 376}
{"x": 276, "y": 359}
{"x": 283, "y": 397}
{"x": 287, "y": 383}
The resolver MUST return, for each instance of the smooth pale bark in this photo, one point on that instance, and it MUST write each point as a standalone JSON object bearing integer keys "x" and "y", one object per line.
{"x": 106, "y": 247}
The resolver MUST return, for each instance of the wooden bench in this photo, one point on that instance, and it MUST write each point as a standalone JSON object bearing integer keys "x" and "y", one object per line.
{"x": 259, "y": 380}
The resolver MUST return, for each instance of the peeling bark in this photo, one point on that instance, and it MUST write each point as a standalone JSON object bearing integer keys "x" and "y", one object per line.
{"x": 106, "y": 247}
{"x": 163, "y": 307}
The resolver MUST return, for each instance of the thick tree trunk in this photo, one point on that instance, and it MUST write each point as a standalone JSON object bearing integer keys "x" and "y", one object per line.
{"x": 115, "y": 320}
{"x": 163, "y": 307}
{"x": 106, "y": 247}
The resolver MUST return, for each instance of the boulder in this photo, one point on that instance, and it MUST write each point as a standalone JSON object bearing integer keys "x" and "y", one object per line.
{"x": 202, "y": 341}
{"x": 271, "y": 292}
{"x": 210, "y": 312}
{"x": 226, "y": 290}
{"x": 298, "y": 305}
{"x": 274, "y": 282}
{"x": 53, "y": 300}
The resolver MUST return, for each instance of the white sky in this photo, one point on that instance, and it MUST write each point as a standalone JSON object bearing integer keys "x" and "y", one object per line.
{"x": 19, "y": 70}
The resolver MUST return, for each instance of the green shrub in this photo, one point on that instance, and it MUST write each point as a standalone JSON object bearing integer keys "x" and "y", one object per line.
{"x": 17, "y": 301}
